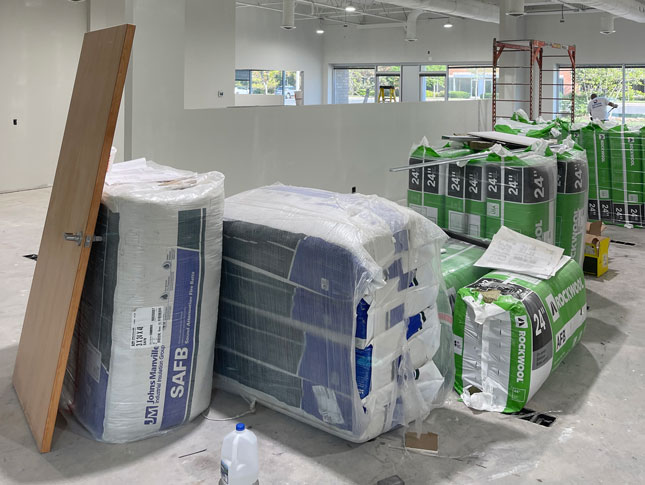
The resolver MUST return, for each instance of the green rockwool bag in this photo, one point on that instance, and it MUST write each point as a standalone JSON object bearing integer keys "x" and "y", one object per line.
{"x": 455, "y": 201}
{"x": 593, "y": 138}
{"x": 434, "y": 188}
{"x": 427, "y": 186}
{"x": 475, "y": 206}
{"x": 626, "y": 161}
{"x": 511, "y": 331}
{"x": 457, "y": 266}
{"x": 571, "y": 201}
{"x": 520, "y": 194}
{"x": 415, "y": 181}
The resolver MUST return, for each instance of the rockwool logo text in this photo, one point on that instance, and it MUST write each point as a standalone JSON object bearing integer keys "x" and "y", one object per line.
{"x": 561, "y": 299}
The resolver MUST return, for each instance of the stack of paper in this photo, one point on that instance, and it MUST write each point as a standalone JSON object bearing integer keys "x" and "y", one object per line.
{"x": 512, "y": 251}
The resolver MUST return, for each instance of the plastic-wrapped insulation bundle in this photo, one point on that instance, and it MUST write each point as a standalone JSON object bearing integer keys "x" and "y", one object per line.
{"x": 593, "y": 138}
{"x": 427, "y": 191}
{"x": 457, "y": 266}
{"x": 329, "y": 309}
{"x": 626, "y": 161}
{"x": 512, "y": 331}
{"x": 571, "y": 202}
{"x": 145, "y": 333}
{"x": 521, "y": 193}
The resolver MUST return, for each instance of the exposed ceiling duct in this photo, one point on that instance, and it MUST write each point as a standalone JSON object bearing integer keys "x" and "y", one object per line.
{"x": 411, "y": 25}
{"x": 607, "y": 24}
{"x": 516, "y": 8}
{"x": 627, "y": 9}
{"x": 469, "y": 9}
{"x": 288, "y": 14}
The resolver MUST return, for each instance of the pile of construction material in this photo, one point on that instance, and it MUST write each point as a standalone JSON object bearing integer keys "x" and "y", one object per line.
{"x": 616, "y": 178}
{"x": 329, "y": 310}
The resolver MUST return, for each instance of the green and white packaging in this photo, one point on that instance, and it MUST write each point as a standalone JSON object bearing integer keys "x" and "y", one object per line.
{"x": 520, "y": 194}
{"x": 415, "y": 180}
{"x": 626, "y": 161}
{"x": 427, "y": 186}
{"x": 475, "y": 206}
{"x": 457, "y": 266}
{"x": 511, "y": 331}
{"x": 571, "y": 201}
{"x": 455, "y": 201}
{"x": 594, "y": 140}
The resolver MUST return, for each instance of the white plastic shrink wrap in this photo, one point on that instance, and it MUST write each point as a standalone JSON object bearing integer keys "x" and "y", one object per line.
{"x": 329, "y": 309}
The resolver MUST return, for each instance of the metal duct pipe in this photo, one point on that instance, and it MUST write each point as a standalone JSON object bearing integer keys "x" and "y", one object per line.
{"x": 607, "y": 24}
{"x": 411, "y": 26}
{"x": 516, "y": 8}
{"x": 288, "y": 14}
{"x": 627, "y": 9}
{"x": 469, "y": 9}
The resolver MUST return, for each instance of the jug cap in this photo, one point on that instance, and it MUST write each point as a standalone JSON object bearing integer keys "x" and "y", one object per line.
{"x": 239, "y": 427}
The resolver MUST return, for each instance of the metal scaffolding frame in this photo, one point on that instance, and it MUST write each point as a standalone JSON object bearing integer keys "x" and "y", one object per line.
{"x": 535, "y": 49}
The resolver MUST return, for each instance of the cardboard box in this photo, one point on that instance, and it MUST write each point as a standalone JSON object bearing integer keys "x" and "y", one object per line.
{"x": 596, "y": 249}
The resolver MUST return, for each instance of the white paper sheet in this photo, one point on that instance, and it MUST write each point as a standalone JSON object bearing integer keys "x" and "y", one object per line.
{"x": 512, "y": 251}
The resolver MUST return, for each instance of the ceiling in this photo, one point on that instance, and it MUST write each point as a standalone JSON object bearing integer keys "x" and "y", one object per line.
{"x": 376, "y": 12}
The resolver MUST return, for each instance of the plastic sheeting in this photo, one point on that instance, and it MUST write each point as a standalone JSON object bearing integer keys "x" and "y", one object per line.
{"x": 512, "y": 331}
{"x": 142, "y": 357}
{"x": 329, "y": 309}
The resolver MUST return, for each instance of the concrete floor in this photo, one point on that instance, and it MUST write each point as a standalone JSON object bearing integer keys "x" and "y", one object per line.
{"x": 597, "y": 395}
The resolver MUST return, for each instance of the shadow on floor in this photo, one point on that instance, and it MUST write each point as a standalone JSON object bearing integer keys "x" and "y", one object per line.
{"x": 464, "y": 439}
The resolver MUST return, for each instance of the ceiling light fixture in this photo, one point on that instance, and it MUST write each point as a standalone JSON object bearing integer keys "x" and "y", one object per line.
{"x": 448, "y": 24}
{"x": 350, "y": 8}
{"x": 562, "y": 18}
{"x": 320, "y": 31}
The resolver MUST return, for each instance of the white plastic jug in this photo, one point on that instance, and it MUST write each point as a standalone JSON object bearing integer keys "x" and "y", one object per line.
{"x": 240, "y": 464}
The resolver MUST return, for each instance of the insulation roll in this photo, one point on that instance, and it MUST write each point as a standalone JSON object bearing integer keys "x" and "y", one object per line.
{"x": 148, "y": 314}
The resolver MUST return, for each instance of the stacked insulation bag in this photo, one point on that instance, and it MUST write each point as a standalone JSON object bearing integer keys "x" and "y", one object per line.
{"x": 427, "y": 186}
{"x": 511, "y": 332}
{"x": 329, "y": 309}
{"x": 458, "y": 260}
{"x": 626, "y": 162}
{"x": 142, "y": 355}
{"x": 594, "y": 139}
{"x": 572, "y": 199}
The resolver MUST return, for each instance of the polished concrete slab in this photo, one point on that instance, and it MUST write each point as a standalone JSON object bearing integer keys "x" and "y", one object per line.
{"x": 597, "y": 396}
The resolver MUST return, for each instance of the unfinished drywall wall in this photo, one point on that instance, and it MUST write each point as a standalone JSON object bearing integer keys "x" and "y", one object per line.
{"x": 40, "y": 42}
{"x": 331, "y": 147}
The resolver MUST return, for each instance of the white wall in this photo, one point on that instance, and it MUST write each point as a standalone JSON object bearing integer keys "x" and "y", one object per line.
{"x": 209, "y": 60}
{"x": 260, "y": 43}
{"x": 332, "y": 147}
{"x": 592, "y": 47}
{"x": 40, "y": 42}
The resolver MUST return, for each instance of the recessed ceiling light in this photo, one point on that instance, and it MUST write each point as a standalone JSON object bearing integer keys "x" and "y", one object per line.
{"x": 320, "y": 31}
{"x": 350, "y": 8}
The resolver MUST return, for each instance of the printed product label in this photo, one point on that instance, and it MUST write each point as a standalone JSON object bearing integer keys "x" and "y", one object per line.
{"x": 458, "y": 344}
{"x": 415, "y": 176}
{"x": 474, "y": 177}
{"x": 431, "y": 180}
{"x": 147, "y": 327}
{"x": 455, "y": 181}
